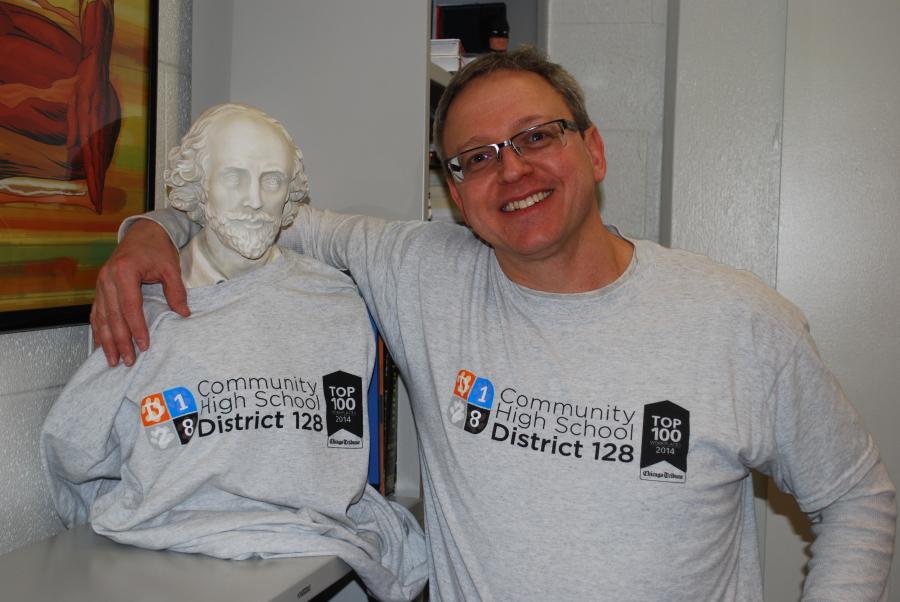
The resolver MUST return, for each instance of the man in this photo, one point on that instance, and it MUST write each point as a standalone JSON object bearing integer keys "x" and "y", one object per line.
{"x": 241, "y": 432}
{"x": 589, "y": 407}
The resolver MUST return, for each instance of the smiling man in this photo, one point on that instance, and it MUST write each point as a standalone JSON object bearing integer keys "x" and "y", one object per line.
{"x": 589, "y": 407}
{"x": 534, "y": 202}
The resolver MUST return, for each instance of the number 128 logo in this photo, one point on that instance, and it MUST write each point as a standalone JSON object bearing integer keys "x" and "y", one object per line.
{"x": 471, "y": 403}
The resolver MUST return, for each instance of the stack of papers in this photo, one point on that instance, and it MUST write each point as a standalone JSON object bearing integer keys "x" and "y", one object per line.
{"x": 447, "y": 53}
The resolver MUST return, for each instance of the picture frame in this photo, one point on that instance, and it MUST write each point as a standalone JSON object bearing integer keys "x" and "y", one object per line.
{"x": 77, "y": 148}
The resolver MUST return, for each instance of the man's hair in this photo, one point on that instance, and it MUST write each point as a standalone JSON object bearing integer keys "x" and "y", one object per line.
{"x": 189, "y": 162}
{"x": 525, "y": 58}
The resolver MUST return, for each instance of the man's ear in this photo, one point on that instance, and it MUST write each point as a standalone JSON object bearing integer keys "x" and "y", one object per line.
{"x": 594, "y": 144}
{"x": 456, "y": 196}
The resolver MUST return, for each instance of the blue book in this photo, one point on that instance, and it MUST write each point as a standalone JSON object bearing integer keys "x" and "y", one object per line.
{"x": 374, "y": 415}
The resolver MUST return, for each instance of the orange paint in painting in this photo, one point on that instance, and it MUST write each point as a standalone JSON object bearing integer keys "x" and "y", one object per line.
{"x": 35, "y": 278}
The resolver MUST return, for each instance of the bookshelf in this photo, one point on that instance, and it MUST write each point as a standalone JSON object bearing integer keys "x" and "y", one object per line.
{"x": 439, "y": 205}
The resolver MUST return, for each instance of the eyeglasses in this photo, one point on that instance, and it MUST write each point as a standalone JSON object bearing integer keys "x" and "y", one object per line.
{"x": 530, "y": 143}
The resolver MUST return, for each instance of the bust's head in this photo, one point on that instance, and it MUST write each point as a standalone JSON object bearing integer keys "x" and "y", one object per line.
{"x": 239, "y": 173}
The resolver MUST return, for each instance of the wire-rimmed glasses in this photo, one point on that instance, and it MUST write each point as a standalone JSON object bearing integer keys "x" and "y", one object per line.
{"x": 530, "y": 142}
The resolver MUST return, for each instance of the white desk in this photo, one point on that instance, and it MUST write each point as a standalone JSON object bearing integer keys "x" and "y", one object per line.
{"x": 81, "y": 566}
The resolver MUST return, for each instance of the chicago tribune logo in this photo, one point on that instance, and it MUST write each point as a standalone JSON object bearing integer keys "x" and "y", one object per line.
{"x": 471, "y": 402}
{"x": 665, "y": 442}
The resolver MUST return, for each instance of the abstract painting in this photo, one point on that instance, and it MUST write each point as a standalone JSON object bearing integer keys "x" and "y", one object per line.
{"x": 77, "y": 94}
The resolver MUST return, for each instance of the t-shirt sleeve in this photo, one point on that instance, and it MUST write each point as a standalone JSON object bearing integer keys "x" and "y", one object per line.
{"x": 375, "y": 251}
{"x": 177, "y": 225}
{"x": 822, "y": 447}
{"x": 81, "y": 441}
{"x": 824, "y": 456}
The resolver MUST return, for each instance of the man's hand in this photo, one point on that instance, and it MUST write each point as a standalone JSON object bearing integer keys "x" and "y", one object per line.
{"x": 145, "y": 255}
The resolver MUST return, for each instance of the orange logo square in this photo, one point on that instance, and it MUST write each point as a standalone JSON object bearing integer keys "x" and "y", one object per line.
{"x": 153, "y": 410}
{"x": 464, "y": 380}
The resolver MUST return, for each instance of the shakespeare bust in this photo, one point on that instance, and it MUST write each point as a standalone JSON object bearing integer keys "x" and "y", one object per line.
{"x": 243, "y": 430}
{"x": 238, "y": 173}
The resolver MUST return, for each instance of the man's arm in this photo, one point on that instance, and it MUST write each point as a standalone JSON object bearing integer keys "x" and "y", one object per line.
{"x": 382, "y": 256}
{"x": 370, "y": 248}
{"x": 145, "y": 254}
{"x": 854, "y": 543}
{"x": 825, "y": 457}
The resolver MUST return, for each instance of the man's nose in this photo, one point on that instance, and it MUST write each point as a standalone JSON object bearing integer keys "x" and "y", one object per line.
{"x": 512, "y": 165}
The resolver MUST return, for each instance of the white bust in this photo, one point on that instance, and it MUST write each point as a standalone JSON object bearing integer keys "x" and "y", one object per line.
{"x": 238, "y": 173}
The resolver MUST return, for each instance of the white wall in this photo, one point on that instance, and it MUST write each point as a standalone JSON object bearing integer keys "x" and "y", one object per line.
{"x": 616, "y": 50}
{"x": 173, "y": 83}
{"x": 725, "y": 100}
{"x": 348, "y": 79}
{"x": 33, "y": 368}
{"x": 818, "y": 218}
{"x": 723, "y": 105}
{"x": 34, "y": 365}
{"x": 839, "y": 229}
{"x": 213, "y": 24}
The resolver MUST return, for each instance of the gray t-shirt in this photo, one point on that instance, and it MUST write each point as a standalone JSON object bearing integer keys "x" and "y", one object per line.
{"x": 599, "y": 445}
{"x": 242, "y": 432}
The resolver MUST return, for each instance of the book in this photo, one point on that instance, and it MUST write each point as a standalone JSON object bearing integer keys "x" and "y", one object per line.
{"x": 465, "y": 60}
{"x": 447, "y": 53}
{"x": 373, "y": 411}
{"x": 382, "y": 354}
{"x": 446, "y": 47}
{"x": 389, "y": 425}
{"x": 447, "y": 63}
{"x": 382, "y": 413}
{"x": 441, "y": 207}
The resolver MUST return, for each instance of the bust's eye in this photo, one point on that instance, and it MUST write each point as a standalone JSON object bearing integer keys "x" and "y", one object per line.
{"x": 231, "y": 179}
{"x": 272, "y": 181}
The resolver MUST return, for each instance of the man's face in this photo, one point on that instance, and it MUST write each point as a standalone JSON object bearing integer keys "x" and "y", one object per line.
{"x": 527, "y": 209}
{"x": 247, "y": 182}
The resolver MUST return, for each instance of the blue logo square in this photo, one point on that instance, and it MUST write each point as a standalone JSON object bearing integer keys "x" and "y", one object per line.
{"x": 179, "y": 401}
{"x": 482, "y": 394}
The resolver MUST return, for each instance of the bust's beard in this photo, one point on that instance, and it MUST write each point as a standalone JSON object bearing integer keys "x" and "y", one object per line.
{"x": 232, "y": 229}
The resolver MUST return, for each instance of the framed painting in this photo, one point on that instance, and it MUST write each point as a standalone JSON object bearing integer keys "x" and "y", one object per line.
{"x": 77, "y": 136}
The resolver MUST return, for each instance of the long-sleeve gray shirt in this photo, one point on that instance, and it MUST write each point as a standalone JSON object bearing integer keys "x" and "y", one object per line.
{"x": 242, "y": 432}
{"x": 599, "y": 445}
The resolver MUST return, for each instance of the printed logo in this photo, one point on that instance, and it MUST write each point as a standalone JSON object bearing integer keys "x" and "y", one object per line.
{"x": 343, "y": 410}
{"x": 665, "y": 442}
{"x": 471, "y": 403}
{"x": 168, "y": 416}
{"x": 153, "y": 410}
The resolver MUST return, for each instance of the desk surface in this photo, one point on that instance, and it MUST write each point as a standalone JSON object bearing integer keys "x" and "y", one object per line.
{"x": 80, "y": 566}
